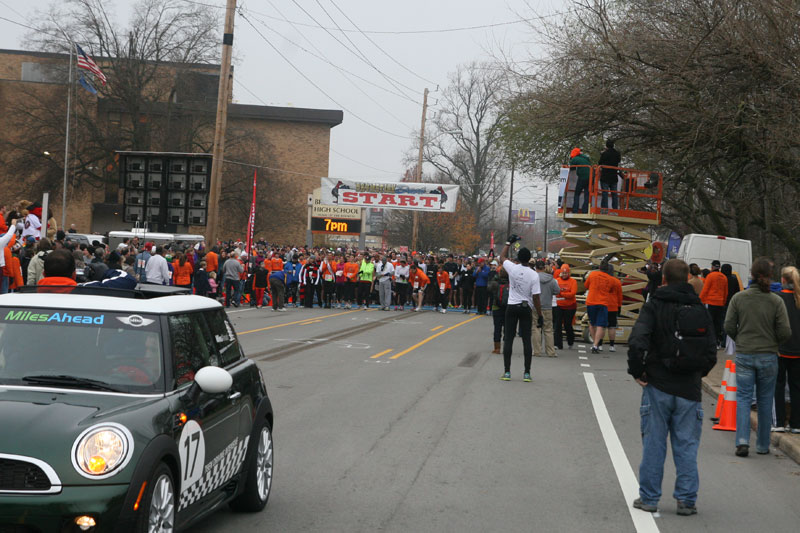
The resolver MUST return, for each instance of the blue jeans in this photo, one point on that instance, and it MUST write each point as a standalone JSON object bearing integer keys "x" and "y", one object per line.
{"x": 759, "y": 370}
{"x": 662, "y": 415}
{"x": 605, "y": 187}
{"x": 3, "y": 284}
{"x": 581, "y": 186}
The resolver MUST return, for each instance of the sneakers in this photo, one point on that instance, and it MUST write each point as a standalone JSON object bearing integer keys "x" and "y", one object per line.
{"x": 794, "y": 431}
{"x": 418, "y": 309}
{"x": 443, "y": 311}
{"x": 612, "y": 348}
{"x": 526, "y": 377}
{"x": 506, "y": 376}
{"x": 569, "y": 346}
{"x": 778, "y": 430}
{"x": 282, "y": 309}
{"x": 742, "y": 450}
{"x": 686, "y": 509}
{"x": 639, "y": 504}
{"x": 365, "y": 308}
{"x": 595, "y": 350}
{"x": 599, "y": 348}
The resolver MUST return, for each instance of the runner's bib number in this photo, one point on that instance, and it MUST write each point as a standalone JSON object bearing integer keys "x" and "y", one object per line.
{"x": 328, "y": 277}
{"x": 441, "y": 286}
{"x": 416, "y": 284}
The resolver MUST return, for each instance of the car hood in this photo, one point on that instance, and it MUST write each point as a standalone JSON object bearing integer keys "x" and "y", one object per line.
{"x": 45, "y": 424}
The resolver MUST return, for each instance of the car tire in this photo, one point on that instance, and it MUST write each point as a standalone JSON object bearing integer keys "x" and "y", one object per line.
{"x": 158, "y": 511}
{"x": 258, "y": 484}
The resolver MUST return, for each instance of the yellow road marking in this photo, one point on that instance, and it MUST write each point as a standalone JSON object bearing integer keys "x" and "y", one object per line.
{"x": 311, "y": 322}
{"x": 420, "y": 343}
{"x": 380, "y": 354}
{"x": 292, "y": 323}
{"x": 437, "y": 327}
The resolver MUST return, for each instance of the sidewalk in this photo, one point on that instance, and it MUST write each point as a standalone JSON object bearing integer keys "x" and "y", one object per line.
{"x": 786, "y": 442}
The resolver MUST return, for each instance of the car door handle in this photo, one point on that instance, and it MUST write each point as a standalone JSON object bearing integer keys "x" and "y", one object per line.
{"x": 234, "y": 395}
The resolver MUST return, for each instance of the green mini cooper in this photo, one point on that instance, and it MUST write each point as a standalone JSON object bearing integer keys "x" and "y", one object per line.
{"x": 124, "y": 413}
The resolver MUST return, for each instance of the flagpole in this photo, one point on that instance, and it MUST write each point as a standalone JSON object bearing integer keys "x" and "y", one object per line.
{"x": 66, "y": 145}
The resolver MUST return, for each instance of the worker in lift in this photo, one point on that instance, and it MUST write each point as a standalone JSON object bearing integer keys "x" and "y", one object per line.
{"x": 582, "y": 164}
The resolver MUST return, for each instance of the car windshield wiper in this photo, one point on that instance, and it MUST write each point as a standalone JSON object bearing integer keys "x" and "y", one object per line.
{"x": 71, "y": 380}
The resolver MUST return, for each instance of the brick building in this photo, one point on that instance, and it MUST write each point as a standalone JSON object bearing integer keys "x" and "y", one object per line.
{"x": 174, "y": 112}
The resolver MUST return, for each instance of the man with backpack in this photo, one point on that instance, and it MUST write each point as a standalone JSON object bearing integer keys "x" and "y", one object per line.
{"x": 672, "y": 346}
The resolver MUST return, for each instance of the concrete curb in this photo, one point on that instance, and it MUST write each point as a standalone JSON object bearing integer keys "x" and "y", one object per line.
{"x": 785, "y": 442}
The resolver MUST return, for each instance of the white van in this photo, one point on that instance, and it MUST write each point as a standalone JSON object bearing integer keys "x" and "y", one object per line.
{"x": 115, "y": 237}
{"x": 702, "y": 249}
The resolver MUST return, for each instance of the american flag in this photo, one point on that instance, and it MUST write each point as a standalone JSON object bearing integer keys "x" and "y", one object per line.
{"x": 86, "y": 62}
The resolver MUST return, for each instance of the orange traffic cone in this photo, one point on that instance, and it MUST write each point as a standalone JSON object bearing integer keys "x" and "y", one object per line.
{"x": 727, "y": 421}
{"x": 722, "y": 389}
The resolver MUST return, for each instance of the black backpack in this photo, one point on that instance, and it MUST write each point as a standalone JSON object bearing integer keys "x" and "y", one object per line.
{"x": 691, "y": 327}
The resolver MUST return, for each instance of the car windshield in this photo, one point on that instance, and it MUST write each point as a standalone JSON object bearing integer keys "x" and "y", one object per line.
{"x": 81, "y": 349}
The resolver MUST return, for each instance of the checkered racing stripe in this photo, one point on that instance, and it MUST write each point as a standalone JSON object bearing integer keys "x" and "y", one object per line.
{"x": 216, "y": 473}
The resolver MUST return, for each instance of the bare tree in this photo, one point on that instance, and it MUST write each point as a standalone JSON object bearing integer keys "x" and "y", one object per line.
{"x": 464, "y": 144}
{"x": 150, "y": 101}
{"x": 706, "y": 92}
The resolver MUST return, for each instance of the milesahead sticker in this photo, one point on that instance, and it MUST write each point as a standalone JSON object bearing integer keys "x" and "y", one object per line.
{"x": 136, "y": 321}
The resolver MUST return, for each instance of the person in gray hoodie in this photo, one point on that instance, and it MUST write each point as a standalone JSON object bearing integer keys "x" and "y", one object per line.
{"x": 550, "y": 289}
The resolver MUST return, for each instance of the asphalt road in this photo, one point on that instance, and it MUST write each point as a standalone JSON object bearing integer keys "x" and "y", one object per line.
{"x": 397, "y": 421}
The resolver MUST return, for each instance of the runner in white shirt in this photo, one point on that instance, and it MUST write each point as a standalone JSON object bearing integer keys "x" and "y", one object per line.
{"x": 523, "y": 296}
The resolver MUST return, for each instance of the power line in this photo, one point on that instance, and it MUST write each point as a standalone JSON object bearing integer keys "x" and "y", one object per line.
{"x": 359, "y": 55}
{"x": 320, "y": 89}
{"x": 326, "y": 60}
{"x": 378, "y": 46}
{"x": 363, "y": 164}
{"x": 341, "y": 71}
{"x": 398, "y": 32}
{"x": 332, "y": 150}
{"x": 12, "y": 9}
{"x": 253, "y": 165}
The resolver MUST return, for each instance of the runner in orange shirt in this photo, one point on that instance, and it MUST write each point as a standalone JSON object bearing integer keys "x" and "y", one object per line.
{"x": 600, "y": 286}
{"x": 443, "y": 281}
{"x": 351, "y": 274}
{"x": 418, "y": 281}
{"x": 614, "y": 303}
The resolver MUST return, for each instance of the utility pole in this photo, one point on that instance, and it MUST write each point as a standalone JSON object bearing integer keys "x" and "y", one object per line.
{"x": 212, "y": 224}
{"x": 418, "y": 177}
{"x": 546, "y": 197}
{"x": 510, "y": 200}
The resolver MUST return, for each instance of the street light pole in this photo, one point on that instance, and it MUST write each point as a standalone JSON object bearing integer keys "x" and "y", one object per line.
{"x": 546, "y": 194}
{"x": 418, "y": 177}
{"x": 510, "y": 200}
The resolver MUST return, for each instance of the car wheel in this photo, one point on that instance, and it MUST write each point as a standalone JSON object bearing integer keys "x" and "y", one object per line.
{"x": 158, "y": 511}
{"x": 259, "y": 474}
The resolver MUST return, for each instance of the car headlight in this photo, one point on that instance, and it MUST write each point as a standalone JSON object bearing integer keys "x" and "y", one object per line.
{"x": 102, "y": 450}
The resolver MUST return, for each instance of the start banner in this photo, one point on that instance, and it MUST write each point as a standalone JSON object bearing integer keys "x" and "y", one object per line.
{"x": 415, "y": 196}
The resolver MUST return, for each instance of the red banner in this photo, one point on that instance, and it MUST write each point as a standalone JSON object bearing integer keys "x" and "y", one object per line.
{"x": 491, "y": 245}
{"x": 251, "y": 221}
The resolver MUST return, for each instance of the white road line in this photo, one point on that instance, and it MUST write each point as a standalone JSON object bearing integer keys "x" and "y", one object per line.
{"x": 584, "y": 364}
{"x": 642, "y": 521}
{"x": 581, "y": 351}
{"x": 243, "y": 310}
{"x": 581, "y": 346}
{"x": 583, "y": 358}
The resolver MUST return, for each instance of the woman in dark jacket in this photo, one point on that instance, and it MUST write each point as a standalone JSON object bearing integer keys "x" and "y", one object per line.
{"x": 789, "y": 356}
{"x": 260, "y": 284}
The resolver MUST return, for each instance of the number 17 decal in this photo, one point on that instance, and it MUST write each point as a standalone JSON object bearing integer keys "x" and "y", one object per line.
{"x": 192, "y": 449}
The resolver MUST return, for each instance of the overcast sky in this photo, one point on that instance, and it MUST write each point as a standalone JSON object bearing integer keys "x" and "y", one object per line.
{"x": 407, "y": 63}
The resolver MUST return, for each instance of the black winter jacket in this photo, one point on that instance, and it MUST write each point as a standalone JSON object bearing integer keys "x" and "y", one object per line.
{"x": 792, "y": 346}
{"x": 651, "y": 341}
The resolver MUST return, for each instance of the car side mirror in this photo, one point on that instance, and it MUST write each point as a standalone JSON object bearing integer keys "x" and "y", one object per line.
{"x": 211, "y": 380}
